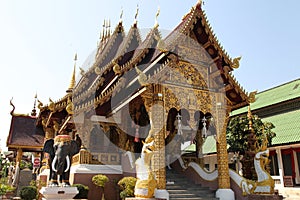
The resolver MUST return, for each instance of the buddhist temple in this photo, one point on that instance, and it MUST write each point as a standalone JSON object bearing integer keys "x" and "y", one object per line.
{"x": 170, "y": 88}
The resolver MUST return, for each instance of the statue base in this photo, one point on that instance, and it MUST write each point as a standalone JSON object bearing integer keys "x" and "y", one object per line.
{"x": 57, "y": 193}
{"x": 225, "y": 194}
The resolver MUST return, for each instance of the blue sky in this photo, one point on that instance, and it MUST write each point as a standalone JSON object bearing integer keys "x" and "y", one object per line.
{"x": 38, "y": 40}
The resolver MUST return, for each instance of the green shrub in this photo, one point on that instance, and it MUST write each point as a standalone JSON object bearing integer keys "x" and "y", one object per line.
{"x": 127, "y": 185}
{"x": 28, "y": 192}
{"x": 4, "y": 188}
{"x": 83, "y": 191}
{"x": 100, "y": 180}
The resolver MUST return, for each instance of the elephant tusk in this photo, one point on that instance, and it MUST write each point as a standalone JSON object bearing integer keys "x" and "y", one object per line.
{"x": 68, "y": 163}
{"x": 53, "y": 164}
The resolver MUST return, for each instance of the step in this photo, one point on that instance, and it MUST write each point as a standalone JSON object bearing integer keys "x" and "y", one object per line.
{"x": 181, "y": 188}
{"x": 182, "y": 195}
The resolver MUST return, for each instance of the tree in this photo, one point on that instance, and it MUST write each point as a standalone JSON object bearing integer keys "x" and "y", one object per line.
{"x": 127, "y": 185}
{"x": 245, "y": 135}
{"x": 238, "y": 130}
{"x": 100, "y": 180}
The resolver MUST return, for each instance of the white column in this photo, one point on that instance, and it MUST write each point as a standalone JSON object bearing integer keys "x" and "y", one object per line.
{"x": 280, "y": 166}
{"x": 296, "y": 167}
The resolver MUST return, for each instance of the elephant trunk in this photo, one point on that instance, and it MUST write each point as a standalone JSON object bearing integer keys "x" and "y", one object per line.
{"x": 60, "y": 165}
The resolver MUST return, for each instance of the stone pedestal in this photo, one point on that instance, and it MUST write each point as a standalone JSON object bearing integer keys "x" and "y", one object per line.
{"x": 225, "y": 194}
{"x": 57, "y": 193}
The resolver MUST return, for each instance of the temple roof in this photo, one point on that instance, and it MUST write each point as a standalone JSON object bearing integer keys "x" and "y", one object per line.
{"x": 131, "y": 52}
{"x": 287, "y": 127}
{"x": 25, "y": 134}
{"x": 120, "y": 57}
{"x": 279, "y": 105}
{"x": 274, "y": 96}
{"x": 196, "y": 26}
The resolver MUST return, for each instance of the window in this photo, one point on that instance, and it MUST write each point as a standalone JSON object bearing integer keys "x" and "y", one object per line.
{"x": 298, "y": 159}
{"x": 274, "y": 169}
{"x": 287, "y": 164}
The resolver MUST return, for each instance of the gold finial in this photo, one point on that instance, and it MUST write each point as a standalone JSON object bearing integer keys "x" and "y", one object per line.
{"x": 142, "y": 78}
{"x": 13, "y": 110}
{"x": 156, "y": 16}
{"x": 121, "y": 15}
{"x": 103, "y": 30}
{"x": 136, "y": 14}
{"x": 40, "y": 105}
{"x": 236, "y": 62}
{"x": 109, "y": 28}
{"x": 98, "y": 70}
{"x": 252, "y": 98}
{"x": 75, "y": 57}
{"x": 70, "y": 107}
{"x": 100, "y": 37}
{"x": 116, "y": 68}
{"x": 73, "y": 82}
{"x": 82, "y": 72}
{"x": 51, "y": 105}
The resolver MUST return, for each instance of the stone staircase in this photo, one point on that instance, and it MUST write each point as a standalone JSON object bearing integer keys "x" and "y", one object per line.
{"x": 180, "y": 188}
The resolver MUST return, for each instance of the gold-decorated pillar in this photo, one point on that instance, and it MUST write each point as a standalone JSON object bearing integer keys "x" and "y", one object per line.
{"x": 222, "y": 154}
{"x": 158, "y": 127}
{"x": 19, "y": 156}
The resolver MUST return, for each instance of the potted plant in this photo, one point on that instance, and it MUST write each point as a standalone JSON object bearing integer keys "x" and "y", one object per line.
{"x": 83, "y": 191}
{"x": 100, "y": 180}
{"x": 127, "y": 185}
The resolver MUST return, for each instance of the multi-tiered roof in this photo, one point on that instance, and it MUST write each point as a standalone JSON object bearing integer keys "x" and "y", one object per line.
{"x": 124, "y": 63}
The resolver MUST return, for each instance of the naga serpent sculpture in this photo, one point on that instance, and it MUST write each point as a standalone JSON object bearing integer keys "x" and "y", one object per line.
{"x": 146, "y": 183}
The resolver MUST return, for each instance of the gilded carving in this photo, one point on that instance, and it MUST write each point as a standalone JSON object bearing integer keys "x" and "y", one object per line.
{"x": 236, "y": 62}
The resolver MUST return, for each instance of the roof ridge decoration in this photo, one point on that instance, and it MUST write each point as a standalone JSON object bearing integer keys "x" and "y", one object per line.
{"x": 110, "y": 42}
{"x": 133, "y": 31}
{"x": 33, "y": 111}
{"x": 121, "y": 15}
{"x": 73, "y": 79}
{"x": 156, "y": 18}
{"x": 142, "y": 50}
{"x": 96, "y": 68}
{"x": 12, "y": 112}
{"x": 136, "y": 58}
{"x": 190, "y": 19}
{"x": 136, "y": 14}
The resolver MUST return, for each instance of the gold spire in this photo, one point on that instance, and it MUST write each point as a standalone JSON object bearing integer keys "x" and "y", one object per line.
{"x": 156, "y": 16}
{"x": 121, "y": 15}
{"x": 136, "y": 14}
{"x": 103, "y": 31}
{"x": 73, "y": 82}
{"x": 109, "y": 28}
